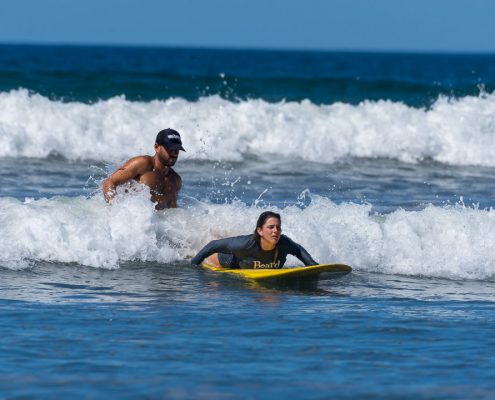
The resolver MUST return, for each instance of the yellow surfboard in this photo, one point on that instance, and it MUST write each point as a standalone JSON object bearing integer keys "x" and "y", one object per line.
{"x": 332, "y": 270}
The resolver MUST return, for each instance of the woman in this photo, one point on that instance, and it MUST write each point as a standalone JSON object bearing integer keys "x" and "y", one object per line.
{"x": 266, "y": 248}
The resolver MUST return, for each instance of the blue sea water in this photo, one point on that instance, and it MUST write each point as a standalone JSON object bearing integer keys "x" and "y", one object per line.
{"x": 382, "y": 161}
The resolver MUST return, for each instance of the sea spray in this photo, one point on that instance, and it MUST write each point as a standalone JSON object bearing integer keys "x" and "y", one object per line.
{"x": 451, "y": 242}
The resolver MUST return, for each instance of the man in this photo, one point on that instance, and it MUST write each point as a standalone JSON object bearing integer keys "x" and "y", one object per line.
{"x": 155, "y": 172}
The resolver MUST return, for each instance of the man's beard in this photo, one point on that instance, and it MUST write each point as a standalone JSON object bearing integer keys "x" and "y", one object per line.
{"x": 167, "y": 162}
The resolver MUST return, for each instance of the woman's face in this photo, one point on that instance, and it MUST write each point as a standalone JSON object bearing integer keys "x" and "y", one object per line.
{"x": 270, "y": 232}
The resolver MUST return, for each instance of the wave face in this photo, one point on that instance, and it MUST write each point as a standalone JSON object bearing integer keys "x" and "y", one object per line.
{"x": 452, "y": 242}
{"x": 453, "y": 131}
{"x": 89, "y": 74}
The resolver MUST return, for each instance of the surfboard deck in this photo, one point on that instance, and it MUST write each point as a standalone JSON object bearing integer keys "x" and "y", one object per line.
{"x": 313, "y": 271}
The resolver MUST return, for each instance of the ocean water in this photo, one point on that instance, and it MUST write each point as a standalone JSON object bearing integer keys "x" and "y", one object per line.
{"x": 385, "y": 162}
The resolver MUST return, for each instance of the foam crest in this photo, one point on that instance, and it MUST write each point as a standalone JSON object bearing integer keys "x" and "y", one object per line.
{"x": 450, "y": 242}
{"x": 452, "y": 131}
{"x": 458, "y": 131}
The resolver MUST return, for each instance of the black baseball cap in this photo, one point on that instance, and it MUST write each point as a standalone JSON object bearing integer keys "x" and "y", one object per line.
{"x": 170, "y": 139}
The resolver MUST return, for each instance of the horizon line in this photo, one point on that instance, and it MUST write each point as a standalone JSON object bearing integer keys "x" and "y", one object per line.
{"x": 249, "y": 48}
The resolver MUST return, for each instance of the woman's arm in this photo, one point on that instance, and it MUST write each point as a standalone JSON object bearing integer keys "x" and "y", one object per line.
{"x": 300, "y": 252}
{"x": 215, "y": 246}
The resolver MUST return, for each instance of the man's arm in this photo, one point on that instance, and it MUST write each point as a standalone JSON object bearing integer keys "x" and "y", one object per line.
{"x": 131, "y": 169}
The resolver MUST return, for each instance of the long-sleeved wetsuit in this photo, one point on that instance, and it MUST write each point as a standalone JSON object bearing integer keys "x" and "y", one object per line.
{"x": 246, "y": 252}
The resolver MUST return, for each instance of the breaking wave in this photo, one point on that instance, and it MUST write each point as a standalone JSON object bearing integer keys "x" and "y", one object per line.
{"x": 453, "y": 131}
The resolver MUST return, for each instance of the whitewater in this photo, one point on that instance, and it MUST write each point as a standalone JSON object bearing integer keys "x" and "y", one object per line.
{"x": 453, "y": 242}
{"x": 438, "y": 236}
{"x": 453, "y": 131}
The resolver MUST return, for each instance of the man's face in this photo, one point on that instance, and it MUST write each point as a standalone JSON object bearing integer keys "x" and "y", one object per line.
{"x": 166, "y": 157}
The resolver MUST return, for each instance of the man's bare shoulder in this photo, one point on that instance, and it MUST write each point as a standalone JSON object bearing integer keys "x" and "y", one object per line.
{"x": 138, "y": 164}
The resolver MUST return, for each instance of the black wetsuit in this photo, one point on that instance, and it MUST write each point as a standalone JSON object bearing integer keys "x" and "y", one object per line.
{"x": 245, "y": 252}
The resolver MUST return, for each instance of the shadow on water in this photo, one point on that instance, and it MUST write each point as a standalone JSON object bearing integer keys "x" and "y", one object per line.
{"x": 139, "y": 283}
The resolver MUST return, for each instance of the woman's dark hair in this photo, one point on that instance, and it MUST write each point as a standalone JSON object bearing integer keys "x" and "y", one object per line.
{"x": 262, "y": 219}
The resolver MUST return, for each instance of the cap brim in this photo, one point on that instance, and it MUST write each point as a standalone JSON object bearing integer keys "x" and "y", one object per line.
{"x": 174, "y": 147}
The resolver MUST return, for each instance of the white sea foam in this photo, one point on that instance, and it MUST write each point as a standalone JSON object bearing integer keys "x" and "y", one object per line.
{"x": 460, "y": 131}
{"x": 452, "y": 242}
